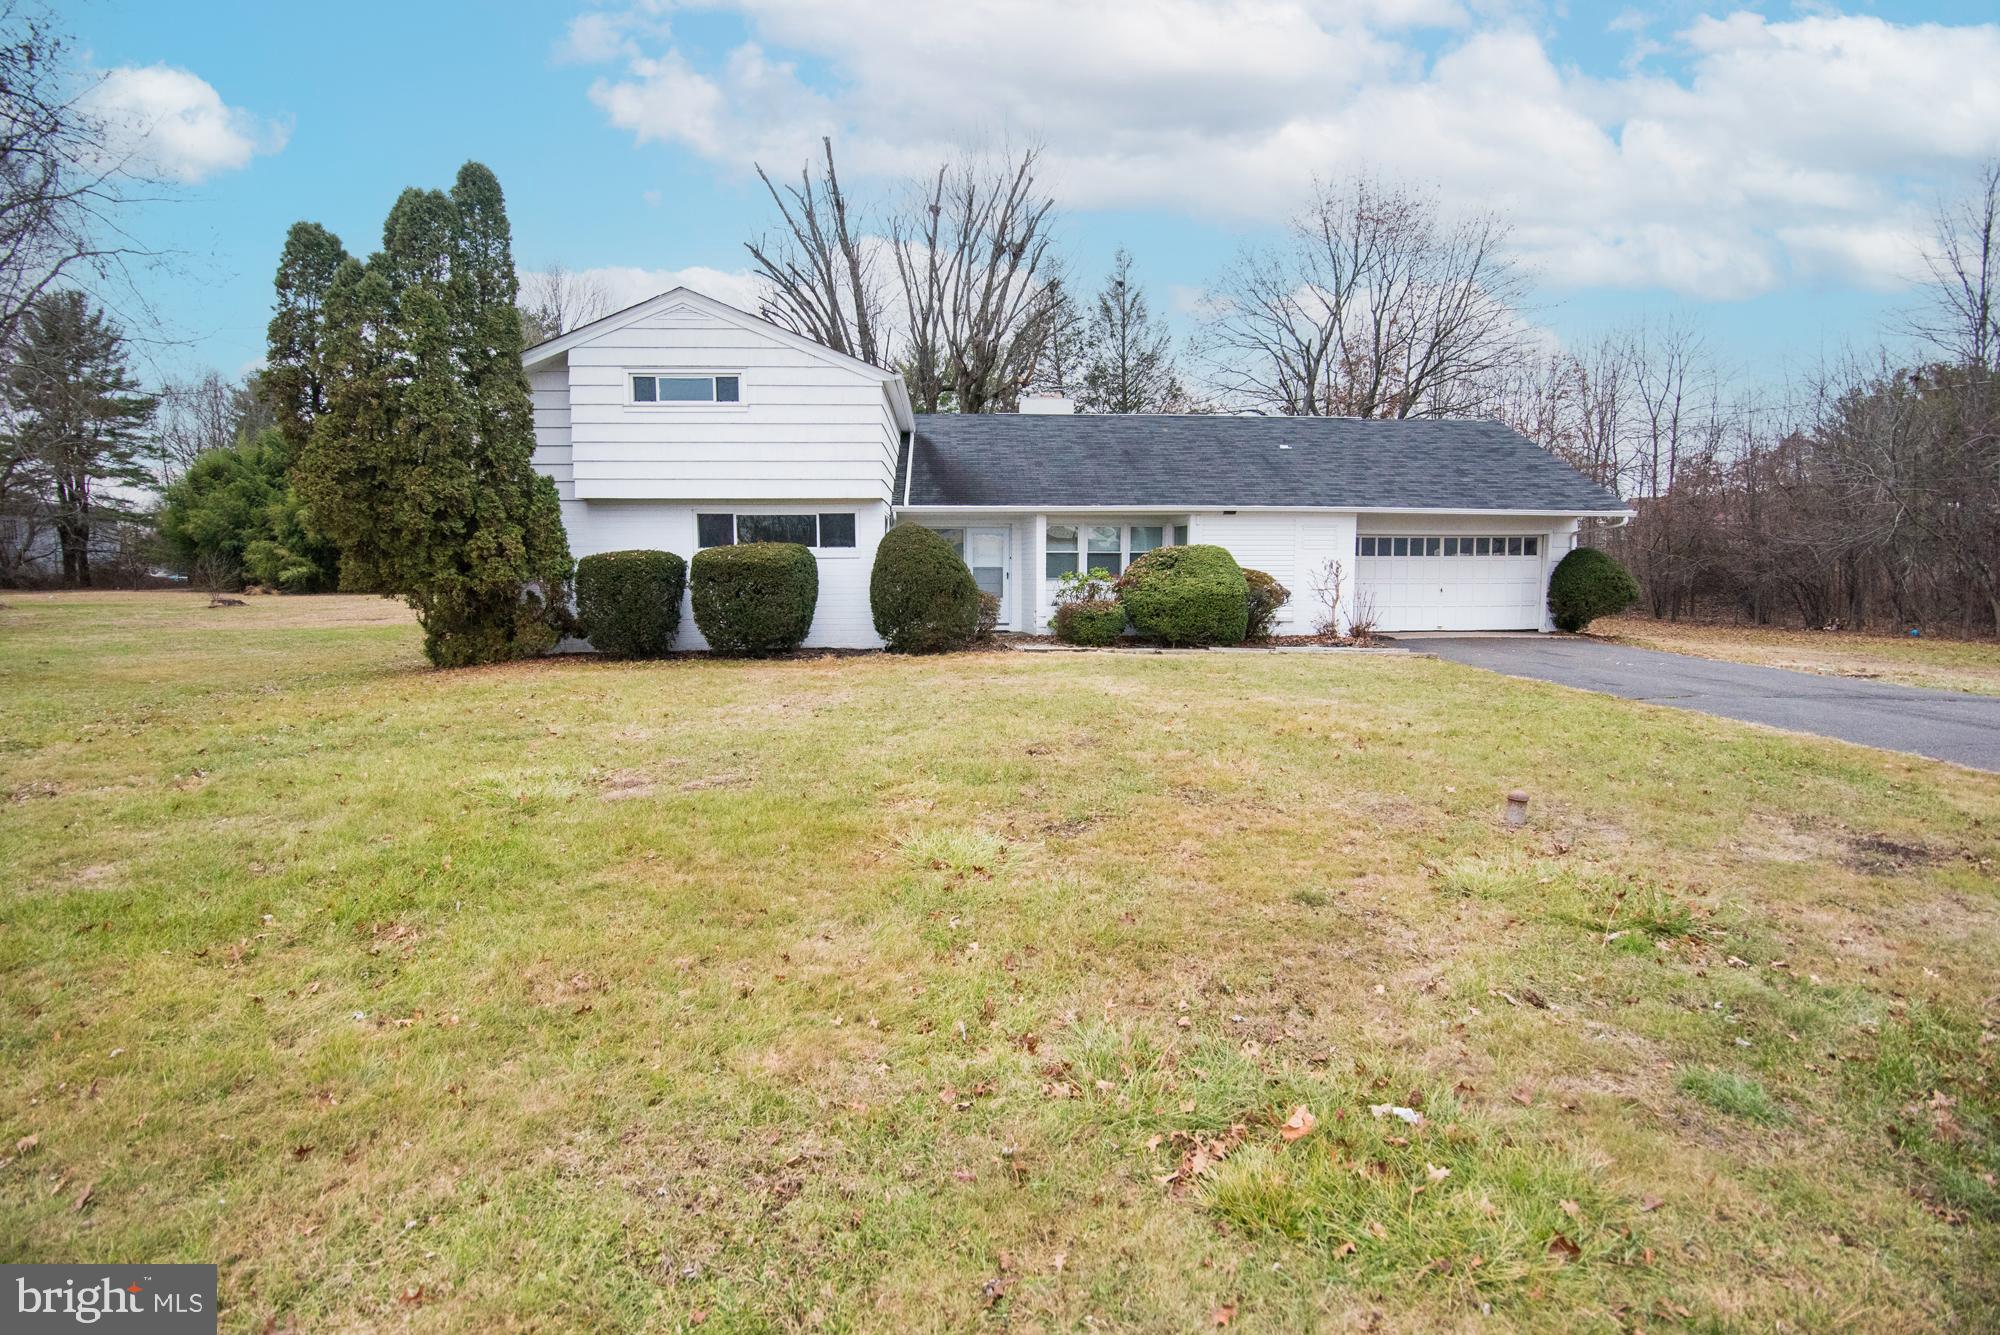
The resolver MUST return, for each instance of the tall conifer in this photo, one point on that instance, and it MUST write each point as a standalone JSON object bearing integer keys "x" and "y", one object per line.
{"x": 294, "y": 380}
{"x": 420, "y": 466}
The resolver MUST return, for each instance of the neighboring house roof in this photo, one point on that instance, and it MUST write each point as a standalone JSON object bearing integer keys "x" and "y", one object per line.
{"x": 1091, "y": 461}
{"x": 549, "y": 350}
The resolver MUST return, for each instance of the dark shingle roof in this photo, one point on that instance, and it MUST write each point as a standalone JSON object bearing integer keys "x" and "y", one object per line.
{"x": 1087, "y": 460}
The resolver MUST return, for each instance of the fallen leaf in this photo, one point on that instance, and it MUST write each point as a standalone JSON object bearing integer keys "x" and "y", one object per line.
{"x": 1300, "y": 1123}
{"x": 1650, "y": 1203}
{"x": 83, "y": 1197}
{"x": 1345, "y": 1249}
{"x": 1375, "y": 1229}
{"x": 1224, "y": 1314}
{"x": 1435, "y": 1173}
{"x": 26, "y": 1143}
{"x": 1563, "y": 1249}
{"x": 698, "y": 1315}
{"x": 1572, "y": 1209}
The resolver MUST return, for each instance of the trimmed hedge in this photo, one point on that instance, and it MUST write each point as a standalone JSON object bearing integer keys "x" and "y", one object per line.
{"x": 1266, "y": 597}
{"x": 755, "y": 597}
{"x": 1097, "y": 622}
{"x": 629, "y": 603}
{"x": 1187, "y": 595}
{"x": 923, "y": 597}
{"x": 1588, "y": 584}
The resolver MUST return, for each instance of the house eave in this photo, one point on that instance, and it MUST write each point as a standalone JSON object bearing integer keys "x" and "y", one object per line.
{"x": 1212, "y": 508}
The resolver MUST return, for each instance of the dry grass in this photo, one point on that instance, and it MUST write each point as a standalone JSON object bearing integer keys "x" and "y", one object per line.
{"x": 877, "y": 993}
{"x": 1942, "y": 664}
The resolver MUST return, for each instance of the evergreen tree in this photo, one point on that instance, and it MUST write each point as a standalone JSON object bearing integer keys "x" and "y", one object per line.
{"x": 79, "y": 416}
{"x": 234, "y": 516}
{"x": 293, "y": 383}
{"x": 1130, "y": 362}
{"x": 419, "y": 466}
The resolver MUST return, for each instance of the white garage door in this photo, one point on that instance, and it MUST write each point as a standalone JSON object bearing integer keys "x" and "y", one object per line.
{"x": 1452, "y": 581}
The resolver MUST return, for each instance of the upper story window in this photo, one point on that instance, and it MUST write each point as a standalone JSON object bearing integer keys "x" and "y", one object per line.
{"x": 652, "y": 388}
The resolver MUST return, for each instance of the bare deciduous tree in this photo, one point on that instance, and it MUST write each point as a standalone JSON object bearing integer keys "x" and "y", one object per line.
{"x": 1377, "y": 305}
{"x": 980, "y": 284}
{"x": 819, "y": 269}
{"x": 556, "y": 300}
{"x": 980, "y": 287}
{"x": 194, "y": 417}
{"x": 60, "y": 186}
{"x": 1962, "y": 314}
{"x": 1061, "y": 367}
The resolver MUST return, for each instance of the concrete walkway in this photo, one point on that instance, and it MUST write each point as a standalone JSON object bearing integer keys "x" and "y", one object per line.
{"x": 1943, "y": 725}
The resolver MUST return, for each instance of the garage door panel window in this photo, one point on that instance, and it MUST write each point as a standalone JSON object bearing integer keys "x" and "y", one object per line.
{"x": 1442, "y": 546}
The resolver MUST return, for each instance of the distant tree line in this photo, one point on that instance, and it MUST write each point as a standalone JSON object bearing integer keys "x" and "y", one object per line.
{"x": 1868, "y": 496}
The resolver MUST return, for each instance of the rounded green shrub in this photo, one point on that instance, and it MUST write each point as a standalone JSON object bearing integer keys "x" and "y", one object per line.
{"x": 1266, "y": 597}
{"x": 1588, "y": 584}
{"x": 923, "y": 597}
{"x": 1096, "y": 622}
{"x": 1187, "y": 595}
{"x": 629, "y": 603}
{"x": 755, "y": 597}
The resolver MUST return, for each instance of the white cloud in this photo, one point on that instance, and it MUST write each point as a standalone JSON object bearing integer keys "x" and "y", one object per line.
{"x": 628, "y": 286}
{"x": 1778, "y": 151}
{"x": 172, "y": 122}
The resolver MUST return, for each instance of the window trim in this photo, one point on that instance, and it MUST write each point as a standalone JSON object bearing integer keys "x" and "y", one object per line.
{"x": 818, "y": 517}
{"x": 710, "y": 404}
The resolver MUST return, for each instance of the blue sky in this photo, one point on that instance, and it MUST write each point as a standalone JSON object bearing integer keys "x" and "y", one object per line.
{"x": 1763, "y": 170}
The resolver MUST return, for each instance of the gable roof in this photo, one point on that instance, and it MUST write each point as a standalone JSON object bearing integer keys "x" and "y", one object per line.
{"x": 1092, "y": 461}
{"x": 550, "y": 349}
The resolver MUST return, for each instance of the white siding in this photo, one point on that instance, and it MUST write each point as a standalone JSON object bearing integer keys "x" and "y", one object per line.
{"x": 548, "y": 390}
{"x": 842, "y": 619}
{"x": 1262, "y": 541}
{"x": 806, "y": 429}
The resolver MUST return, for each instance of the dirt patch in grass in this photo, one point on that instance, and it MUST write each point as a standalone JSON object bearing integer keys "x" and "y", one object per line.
{"x": 1879, "y": 855}
{"x": 624, "y": 785}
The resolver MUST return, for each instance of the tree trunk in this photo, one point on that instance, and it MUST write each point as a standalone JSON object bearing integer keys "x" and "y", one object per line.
{"x": 74, "y": 535}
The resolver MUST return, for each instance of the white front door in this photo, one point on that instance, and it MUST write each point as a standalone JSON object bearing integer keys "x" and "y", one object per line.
{"x": 987, "y": 552}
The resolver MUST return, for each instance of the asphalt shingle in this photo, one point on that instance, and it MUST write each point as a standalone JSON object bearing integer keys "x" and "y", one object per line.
{"x": 1087, "y": 460}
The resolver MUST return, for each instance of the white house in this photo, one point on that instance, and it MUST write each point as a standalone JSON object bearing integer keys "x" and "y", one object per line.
{"x": 681, "y": 423}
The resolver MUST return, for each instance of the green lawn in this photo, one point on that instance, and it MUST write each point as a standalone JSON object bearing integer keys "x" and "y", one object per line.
{"x": 873, "y": 993}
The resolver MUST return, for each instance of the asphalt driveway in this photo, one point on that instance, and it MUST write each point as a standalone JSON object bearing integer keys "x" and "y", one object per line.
{"x": 1944, "y": 725}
